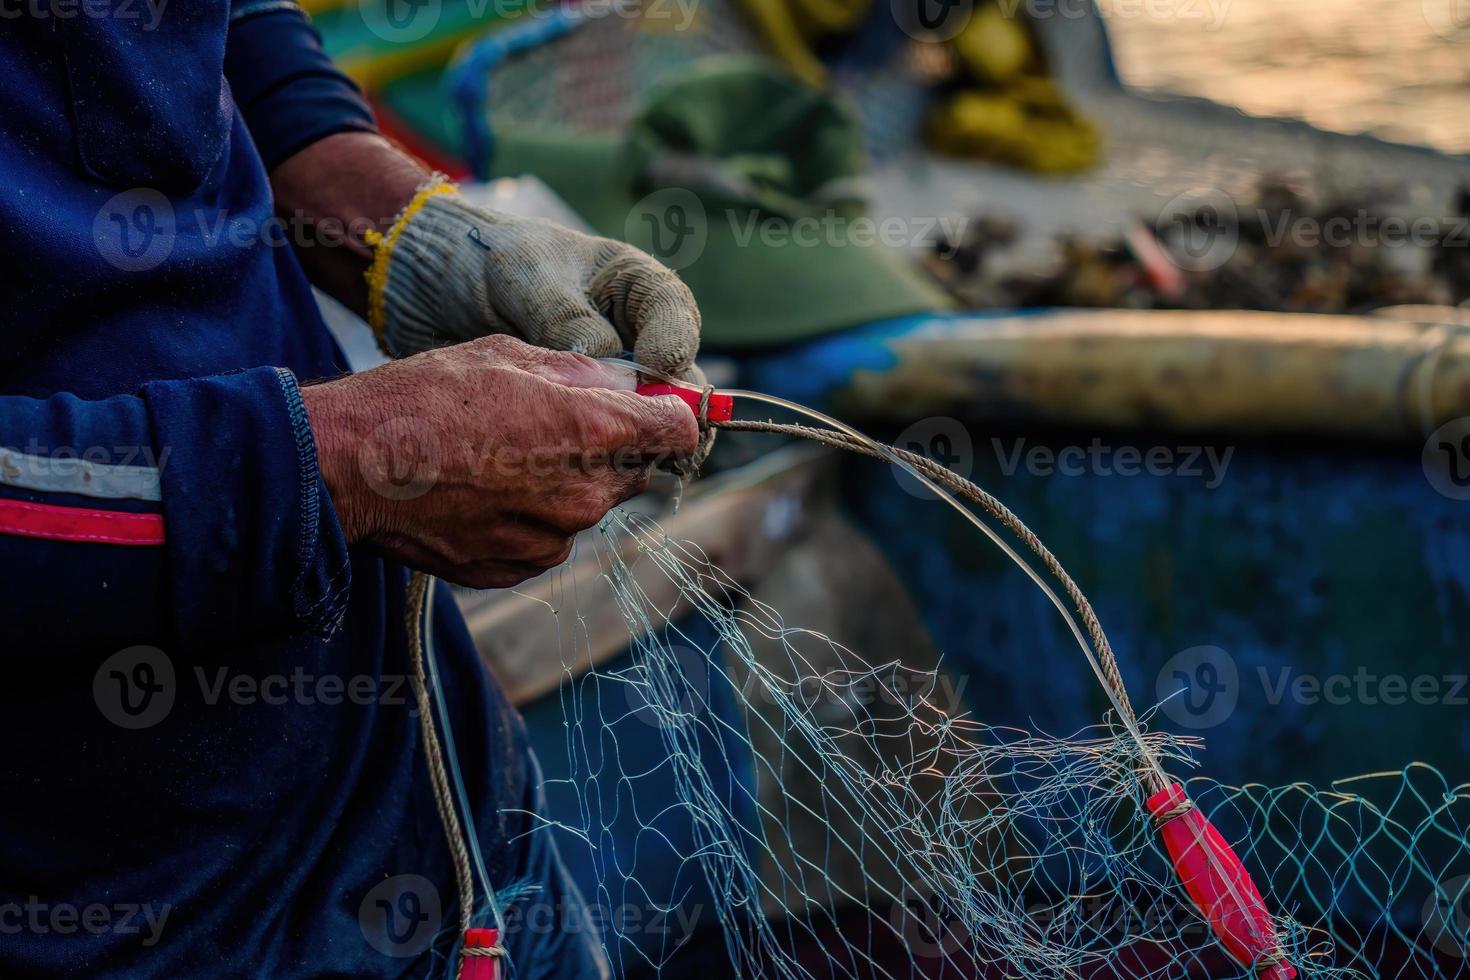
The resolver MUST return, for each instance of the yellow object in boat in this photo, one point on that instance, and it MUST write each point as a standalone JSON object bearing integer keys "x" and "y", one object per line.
{"x": 1027, "y": 125}
{"x": 992, "y": 47}
{"x": 791, "y": 27}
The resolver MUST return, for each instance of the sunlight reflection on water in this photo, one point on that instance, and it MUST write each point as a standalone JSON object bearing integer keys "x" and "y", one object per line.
{"x": 1399, "y": 69}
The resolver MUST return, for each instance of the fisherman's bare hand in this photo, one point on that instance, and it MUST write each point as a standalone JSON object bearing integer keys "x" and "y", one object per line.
{"x": 480, "y": 462}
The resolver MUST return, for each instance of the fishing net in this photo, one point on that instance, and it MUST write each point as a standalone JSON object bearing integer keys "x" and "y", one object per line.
{"x": 587, "y": 68}
{"x": 830, "y": 810}
{"x": 846, "y": 816}
{"x": 895, "y": 836}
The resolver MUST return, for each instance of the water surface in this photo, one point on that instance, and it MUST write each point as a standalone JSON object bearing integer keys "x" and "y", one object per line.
{"x": 1399, "y": 69}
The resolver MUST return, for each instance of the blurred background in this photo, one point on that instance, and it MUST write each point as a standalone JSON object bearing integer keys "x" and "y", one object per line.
{"x": 1184, "y": 282}
{"x": 1396, "y": 70}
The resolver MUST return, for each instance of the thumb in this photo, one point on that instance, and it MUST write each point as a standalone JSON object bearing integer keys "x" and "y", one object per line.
{"x": 663, "y": 425}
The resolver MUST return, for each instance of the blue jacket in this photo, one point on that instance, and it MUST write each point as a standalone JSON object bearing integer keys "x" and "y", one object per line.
{"x": 210, "y": 763}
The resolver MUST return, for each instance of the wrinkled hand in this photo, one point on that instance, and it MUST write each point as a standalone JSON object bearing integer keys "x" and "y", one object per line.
{"x": 480, "y": 462}
{"x": 455, "y": 272}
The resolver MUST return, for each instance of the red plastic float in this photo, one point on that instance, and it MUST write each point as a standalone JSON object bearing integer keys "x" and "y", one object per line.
{"x": 473, "y": 966}
{"x": 1218, "y": 884}
{"x": 721, "y": 407}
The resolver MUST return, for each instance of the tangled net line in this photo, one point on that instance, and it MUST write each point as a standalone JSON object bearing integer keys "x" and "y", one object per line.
{"x": 887, "y": 834}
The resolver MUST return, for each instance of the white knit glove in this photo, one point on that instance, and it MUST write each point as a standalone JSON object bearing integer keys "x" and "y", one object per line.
{"x": 448, "y": 271}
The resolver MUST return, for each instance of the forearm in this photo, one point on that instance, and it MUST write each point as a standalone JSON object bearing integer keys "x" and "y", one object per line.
{"x": 335, "y": 190}
{"x": 332, "y": 174}
{"x": 190, "y": 513}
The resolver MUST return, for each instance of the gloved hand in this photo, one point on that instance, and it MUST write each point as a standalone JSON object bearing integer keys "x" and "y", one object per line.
{"x": 449, "y": 271}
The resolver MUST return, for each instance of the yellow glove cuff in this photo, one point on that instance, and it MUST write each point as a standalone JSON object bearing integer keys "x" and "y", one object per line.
{"x": 382, "y": 245}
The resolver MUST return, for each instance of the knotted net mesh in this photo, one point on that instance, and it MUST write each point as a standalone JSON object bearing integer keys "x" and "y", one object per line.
{"x": 875, "y": 828}
{"x": 840, "y": 812}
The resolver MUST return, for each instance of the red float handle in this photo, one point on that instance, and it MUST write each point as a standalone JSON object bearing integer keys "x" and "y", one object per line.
{"x": 721, "y": 406}
{"x": 1218, "y": 884}
{"x": 479, "y": 966}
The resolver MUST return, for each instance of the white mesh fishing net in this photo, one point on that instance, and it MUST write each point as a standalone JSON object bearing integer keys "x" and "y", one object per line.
{"x": 883, "y": 831}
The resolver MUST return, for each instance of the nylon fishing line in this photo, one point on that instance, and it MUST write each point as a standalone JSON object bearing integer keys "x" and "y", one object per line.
{"x": 959, "y": 845}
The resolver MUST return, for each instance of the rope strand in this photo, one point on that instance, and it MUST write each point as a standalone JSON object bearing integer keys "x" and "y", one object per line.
{"x": 959, "y": 485}
{"x": 417, "y": 614}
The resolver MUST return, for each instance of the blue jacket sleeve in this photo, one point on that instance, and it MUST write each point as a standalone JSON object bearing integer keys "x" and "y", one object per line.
{"x": 285, "y": 84}
{"x": 191, "y": 513}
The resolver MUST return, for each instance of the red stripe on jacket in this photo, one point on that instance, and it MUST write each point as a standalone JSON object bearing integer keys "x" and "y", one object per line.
{"x": 56, "y": 523}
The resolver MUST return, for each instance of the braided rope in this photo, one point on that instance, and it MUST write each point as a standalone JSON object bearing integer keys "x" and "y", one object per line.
{"x": 1152, "y": 778}
{"x": 490, "y": 952}
{"x": 957, "y": 484}
{"x": 417, "y": 611}
{"x": 1174, "y": 812}
{"x": 418, "y": 603}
